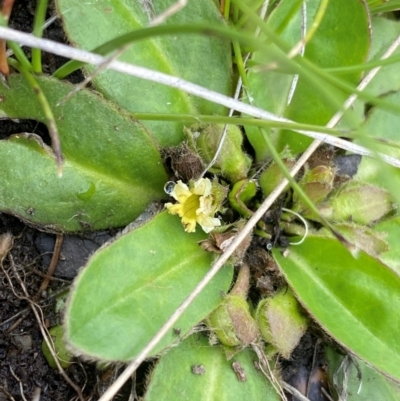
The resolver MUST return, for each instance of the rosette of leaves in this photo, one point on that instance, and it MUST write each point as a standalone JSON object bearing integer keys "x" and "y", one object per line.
{"x": 112, "y": 169}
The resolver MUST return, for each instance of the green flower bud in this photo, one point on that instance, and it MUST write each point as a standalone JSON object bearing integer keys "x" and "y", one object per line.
{"x": 280, "y": 322}
{"x": 241, "y": 194}
{"x": 64, "y": 357}
{"x": 232, "y": 163}
{"x": 316, "y": 183}
{"x": 272, "y": 176}
{"x": 359, "y": 202}
{"x": 233, "y": 323}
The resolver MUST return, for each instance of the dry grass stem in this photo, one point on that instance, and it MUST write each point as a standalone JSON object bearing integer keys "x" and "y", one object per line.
{"x": 21, "y": 386}
{"x": 178, "y": 83}
{"x": 52, "y": 266}
{"x": 173, "y": 9}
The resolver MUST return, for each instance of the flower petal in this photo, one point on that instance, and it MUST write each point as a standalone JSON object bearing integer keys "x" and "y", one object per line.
{"x": 206, "y": 205}
{"x": 189, "y": 224}
{"x": 175, "y": 209}
{"x": 196, "y": 204}
{"x": 202, "y": 186}
{"x": 181, "y": 192}
{"x": 208, "y": 223}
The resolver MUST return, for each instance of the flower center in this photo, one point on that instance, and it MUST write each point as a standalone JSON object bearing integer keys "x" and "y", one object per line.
{"x": 190, "y": 206}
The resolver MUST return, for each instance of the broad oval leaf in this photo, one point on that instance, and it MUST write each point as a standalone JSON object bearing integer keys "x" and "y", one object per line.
{"x": 202, "y": 372}
{"x": 112, "y": 167}
{"x": 384, "y": 32}
{"x": 330, "y": 46}
{"x": 381, "y": 125}
{"x": 380, "y": 174}
{"x": 131, "y": 287}
{"x": 205, "y": 60}
{"x": 356, "y": 300}
{"x": 391, "y": 229}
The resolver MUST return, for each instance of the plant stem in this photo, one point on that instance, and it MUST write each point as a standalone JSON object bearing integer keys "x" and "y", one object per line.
{"x": 242, "y": 284}
{"x": 219, "y": 263}
{"x": 190, "y": 88}
{"x": 15, "y": 47}
{"x": 38, "y": 23}
{"x": 227, "y": 9}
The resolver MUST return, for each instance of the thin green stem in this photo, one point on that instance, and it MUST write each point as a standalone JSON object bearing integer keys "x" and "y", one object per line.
{"x": 364, "y": 67}
{"x": 20, "y": 55}
{"x": 294, "y": 9}
{"x": 310, "y": 72}
{"x": 243, "y": 19}
{"x": 386, "y": 7}
{"x": 230, "y": 34}
{"x": 314, "y": 26}
{"x": 163, "y": 30}
{"x": 297, "y": 64}
{"x": 195, "y": 118}
{"x": 240, "y": 63}
{"x": 16, "y": 48}
{"x": 38, "y": 23}
{"x": 227, "y": 9}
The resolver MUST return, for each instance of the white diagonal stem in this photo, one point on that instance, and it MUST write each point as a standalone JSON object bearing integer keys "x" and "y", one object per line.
{"x": 181, "y": 84}
{"x": 66, "y": 51}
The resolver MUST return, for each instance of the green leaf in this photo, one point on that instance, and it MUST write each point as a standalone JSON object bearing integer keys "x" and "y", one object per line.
{"x": 383, "y": 126}
{"x": 391, "y": 228}
{"x": 64, "y": 357}
{"x": 380, "y": 174}
{"x": 112, "y": 168}
{"x": 384, "y": 33}
{"x": 383, "y": 6}
{"x": 218, "y": 381}
{"x": 361, "y": 236}
{"x": 269, "y": 89}
{"x": 130, "y": 288}
{"x": 356, "y": 300}
{"x": 370, "y": 386}
{"x": 205, "y": 60}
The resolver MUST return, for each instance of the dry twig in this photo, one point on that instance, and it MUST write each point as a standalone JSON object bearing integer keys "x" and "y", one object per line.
{"x": 52, "y": 266}
{"x": 267, "y": 372}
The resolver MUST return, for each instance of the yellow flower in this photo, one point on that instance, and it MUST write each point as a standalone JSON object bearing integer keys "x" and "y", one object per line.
{"x": 196, "y": 204}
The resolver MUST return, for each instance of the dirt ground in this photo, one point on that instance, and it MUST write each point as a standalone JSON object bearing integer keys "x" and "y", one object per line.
{"x": 24, "y": 371}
